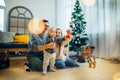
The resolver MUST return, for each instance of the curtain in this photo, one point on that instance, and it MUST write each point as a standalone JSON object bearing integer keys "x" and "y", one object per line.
{"x": 115, "y": 29}
{"x": 103, "y": 25}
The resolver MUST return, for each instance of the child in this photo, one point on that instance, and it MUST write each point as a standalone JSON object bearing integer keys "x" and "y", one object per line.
{"x": 50, "y": 54}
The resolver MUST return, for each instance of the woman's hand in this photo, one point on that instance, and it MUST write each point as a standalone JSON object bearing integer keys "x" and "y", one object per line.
{"x": 69, "y": 32}
{"x": 51, "y": 45}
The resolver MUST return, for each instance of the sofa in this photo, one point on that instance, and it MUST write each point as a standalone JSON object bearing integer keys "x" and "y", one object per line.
{"x": 15, "y": 44}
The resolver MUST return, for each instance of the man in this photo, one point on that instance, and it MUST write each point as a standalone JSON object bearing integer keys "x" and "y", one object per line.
{"x": 36, "y": 46}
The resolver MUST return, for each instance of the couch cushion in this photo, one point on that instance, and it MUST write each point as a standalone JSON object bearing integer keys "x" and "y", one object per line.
{"x": 6, "y": 37}
{"x": 13, "y": 45}
{"x": 21, "y": 38}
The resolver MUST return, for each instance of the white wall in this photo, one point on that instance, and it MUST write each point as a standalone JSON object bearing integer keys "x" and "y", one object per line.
{"x": 42, "y": 9}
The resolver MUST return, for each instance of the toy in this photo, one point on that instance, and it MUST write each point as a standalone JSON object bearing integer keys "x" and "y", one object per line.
{"x": 92, "y": 61}
{"x": 68, "y": 36}
{"x": 87, "y": 54}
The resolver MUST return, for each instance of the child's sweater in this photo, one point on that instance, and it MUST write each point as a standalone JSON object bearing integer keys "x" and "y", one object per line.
{"x": 56, "y": 40}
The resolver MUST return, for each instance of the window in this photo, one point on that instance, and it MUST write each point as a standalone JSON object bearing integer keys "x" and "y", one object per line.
{"x": 2, "y": 8}
{"x": 64, "y": 10}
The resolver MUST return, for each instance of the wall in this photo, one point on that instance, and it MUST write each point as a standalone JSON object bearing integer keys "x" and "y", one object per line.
{"x": 42, "y": 9}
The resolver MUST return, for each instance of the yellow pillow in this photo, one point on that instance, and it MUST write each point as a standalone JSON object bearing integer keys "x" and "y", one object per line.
{"x": 21, "y": 38}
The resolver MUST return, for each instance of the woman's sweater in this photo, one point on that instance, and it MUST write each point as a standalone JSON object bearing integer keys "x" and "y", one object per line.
{"x": 60, "y": 49}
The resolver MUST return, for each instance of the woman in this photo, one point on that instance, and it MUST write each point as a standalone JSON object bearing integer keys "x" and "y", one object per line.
{"x": 63, "y": 61}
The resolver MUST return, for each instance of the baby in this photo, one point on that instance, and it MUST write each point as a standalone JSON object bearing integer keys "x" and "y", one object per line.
{"x": 50, "y": 54}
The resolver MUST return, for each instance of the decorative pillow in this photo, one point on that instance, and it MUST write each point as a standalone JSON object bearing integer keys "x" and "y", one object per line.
{"x": 6, "y": 37}
{"x": 21, "y": 38}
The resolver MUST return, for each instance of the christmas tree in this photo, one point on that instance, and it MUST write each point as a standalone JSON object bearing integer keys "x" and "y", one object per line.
{"x": 77, "y": 24}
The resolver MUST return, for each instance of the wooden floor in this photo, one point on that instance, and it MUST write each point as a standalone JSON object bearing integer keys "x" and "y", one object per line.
{"x": 105, "y": 70}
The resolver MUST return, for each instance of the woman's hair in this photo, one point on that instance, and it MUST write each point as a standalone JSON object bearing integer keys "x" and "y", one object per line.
{"x": 60, "y": 30}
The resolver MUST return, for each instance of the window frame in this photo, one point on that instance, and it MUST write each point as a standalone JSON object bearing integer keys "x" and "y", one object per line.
{"x": 2, "y": 7}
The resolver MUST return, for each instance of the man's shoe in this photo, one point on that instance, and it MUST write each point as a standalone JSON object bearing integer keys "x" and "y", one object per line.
{"x": 27, "y": 67}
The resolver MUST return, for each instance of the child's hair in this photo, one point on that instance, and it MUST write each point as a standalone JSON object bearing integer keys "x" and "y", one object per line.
{"x": 59, "y": 29}
{"x": 50, "y": 29}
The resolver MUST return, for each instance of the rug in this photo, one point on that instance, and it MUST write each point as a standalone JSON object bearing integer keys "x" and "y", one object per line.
{"x": 86, "y": 64}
